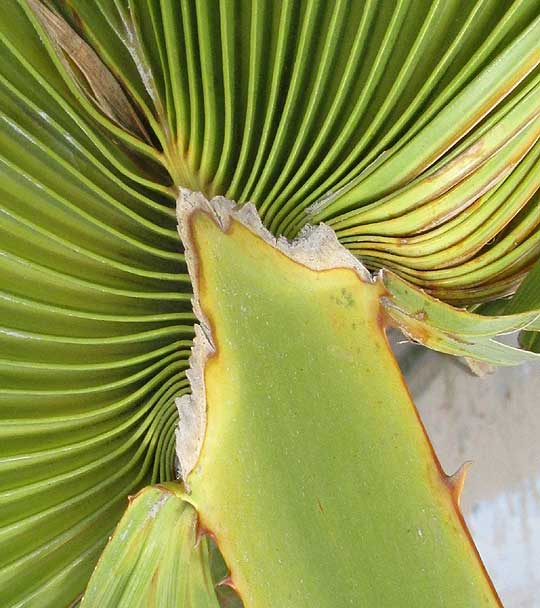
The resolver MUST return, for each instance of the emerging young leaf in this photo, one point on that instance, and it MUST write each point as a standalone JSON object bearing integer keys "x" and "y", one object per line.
{"x": 155, "y": 557}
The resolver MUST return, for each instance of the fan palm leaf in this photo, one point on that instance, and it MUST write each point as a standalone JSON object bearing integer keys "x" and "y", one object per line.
{"x": 411, "y": 127}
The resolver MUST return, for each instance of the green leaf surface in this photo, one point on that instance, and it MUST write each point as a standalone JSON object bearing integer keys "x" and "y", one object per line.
{"x": 96, "y": 324}
{"x": 392, "y": 142}
{"x": 315, "y": 474}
